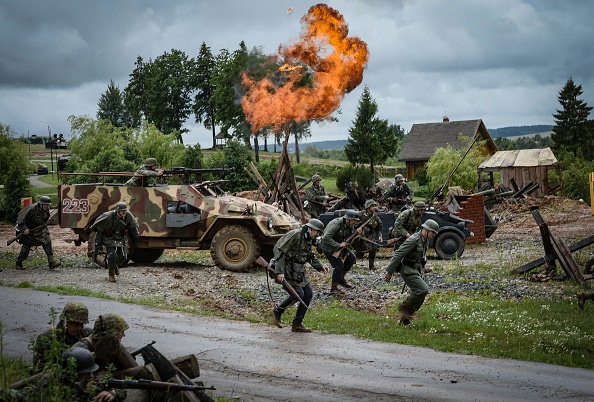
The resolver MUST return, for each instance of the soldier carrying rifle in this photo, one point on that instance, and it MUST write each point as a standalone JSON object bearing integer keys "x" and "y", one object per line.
{"x": 398, "y": 194}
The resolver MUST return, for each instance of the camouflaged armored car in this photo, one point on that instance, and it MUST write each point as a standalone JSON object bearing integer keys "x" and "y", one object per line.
{"x": 199, "y": 216}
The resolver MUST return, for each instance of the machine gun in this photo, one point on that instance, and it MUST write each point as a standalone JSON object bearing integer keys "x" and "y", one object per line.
{"x": 352, "y": 237}
{"x": 167, "y": 370}
{"x": 183, "y": 172}
{"x": 155, "y": 385}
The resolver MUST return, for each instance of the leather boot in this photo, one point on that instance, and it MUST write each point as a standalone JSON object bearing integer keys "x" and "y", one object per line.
{"x": 54, "y": 264}
{"x": 406, "y": 312}
{"x": 372, "y": 264}
{"x": 276, "y": 316}
{"x": 582, "y": 297}
{"x": 19, "y": 265}
{"x": 334, "y": 291}
{"x": 344, "y": 283}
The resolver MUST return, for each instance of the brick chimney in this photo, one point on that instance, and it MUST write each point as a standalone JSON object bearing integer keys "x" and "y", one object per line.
{"x": 445, "y": 119}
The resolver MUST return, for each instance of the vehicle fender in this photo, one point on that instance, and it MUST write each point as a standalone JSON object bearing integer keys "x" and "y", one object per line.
{"x": 247, "y": 221}
{"x": 445, "y": 229}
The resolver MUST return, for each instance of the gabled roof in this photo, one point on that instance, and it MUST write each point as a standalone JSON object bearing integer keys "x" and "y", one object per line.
{"x": 520, "y": 158}
{"x": 423, "y": 139}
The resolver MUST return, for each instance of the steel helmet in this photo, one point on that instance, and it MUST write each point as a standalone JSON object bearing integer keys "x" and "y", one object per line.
{"x": 420, "y": 205}
{"x": 398, "y": 177}
{"x": 85, "y": 363}
{"x": 151, "y": 162}
{"x": 370, "y": 203}
{"x": 111, "y": 324}
{"x": 316, "y": 177}
{"x": 352, "y": 214}
{"x": 431, "y": 225}
{"x": 45, "y": 200}
{"x": 75, "y": 312}
{"x": 315, "y": 224}
{"x": 121, "y": 206}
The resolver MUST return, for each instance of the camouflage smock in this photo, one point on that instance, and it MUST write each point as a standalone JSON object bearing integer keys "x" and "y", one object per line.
{"x": 408, "y": 259}
{"x": 44, "y": 342}
{"x": 316, "y": 195}
{"x": 294, "y": 246}
{"x": 407, "y": 222}
{"x": 31, "y": 217}
{"x": 335, "y": 233}
{"x": 402, "y": 192}
{"x": 141, "y": 176}
{"x": 374, "y": 228}
{"x": 114, "y": 229}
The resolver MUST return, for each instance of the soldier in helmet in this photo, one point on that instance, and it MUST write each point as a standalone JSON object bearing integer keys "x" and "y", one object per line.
{"x": 316, "y": 197}
{"x": 291, "y": 253}
{"x": 336, "y": 249}
{"x": 149, "y": 169}
{"x": 407, "y": 222}
{"x": 111, "y": 229}
{"x": 372, "y": 231}
{"x": 408, "y": 260}
{"x": 69, "y": 330}
{"x": 32, "y": 223}
{"x": 398, "y": 194}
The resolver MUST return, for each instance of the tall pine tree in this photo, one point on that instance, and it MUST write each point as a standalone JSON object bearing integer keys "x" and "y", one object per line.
{"x": 572, "y": 130}
{"x": 371, "y": 139}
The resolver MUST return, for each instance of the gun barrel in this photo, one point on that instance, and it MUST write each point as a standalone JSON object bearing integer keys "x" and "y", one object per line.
{"x": 156, "y": 385}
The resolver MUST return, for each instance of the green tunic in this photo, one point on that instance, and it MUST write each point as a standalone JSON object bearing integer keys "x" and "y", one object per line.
{"x": 31, "y": 217}
{"x": 402, "y": 193}
{"x": 138, "y": 180}
{"x": 335, "y": 233}
{"x": 112, "y": 230}
{"x": 407, "y": 222}
{"x": 316, "y": 195}
{"x": 294, "y": 246}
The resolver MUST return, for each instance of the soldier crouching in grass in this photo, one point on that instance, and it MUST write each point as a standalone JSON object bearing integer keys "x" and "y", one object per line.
{"x": 291, "y": 253}
{"x": 111, "y": 229}
{"x": 408, "y": 261}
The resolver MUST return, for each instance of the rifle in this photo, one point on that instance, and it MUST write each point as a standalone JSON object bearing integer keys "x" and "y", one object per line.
{"x": 178, "y": 171}
{"x": 9, "y": 242}
{"x": 262, "y": 263}
{"x": 168, "y": 370}
{"x": 156, "y": 385}
{"x": 351, "y": 237}
{"x": 389, "y": 242}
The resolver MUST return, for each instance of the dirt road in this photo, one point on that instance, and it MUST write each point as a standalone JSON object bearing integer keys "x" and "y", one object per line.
{"x": 252, "y": 362}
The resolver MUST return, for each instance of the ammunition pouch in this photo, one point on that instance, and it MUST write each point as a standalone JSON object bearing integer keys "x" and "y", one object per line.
{"x": 297, "y": 272}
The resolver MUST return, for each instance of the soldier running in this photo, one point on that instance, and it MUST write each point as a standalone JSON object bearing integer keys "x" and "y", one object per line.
{"x": 372, "y": 231}
{"x": 398, "y": 194}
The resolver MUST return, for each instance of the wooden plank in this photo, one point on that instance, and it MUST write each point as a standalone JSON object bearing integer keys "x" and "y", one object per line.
{"x": 566, "y": 260}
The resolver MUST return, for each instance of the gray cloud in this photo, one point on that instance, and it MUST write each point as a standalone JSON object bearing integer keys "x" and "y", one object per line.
{"x": 504, "y": 61}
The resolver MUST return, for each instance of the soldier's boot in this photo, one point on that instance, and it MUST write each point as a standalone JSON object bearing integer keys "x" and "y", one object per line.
{"x": 406, "y": 311}
{"x": 52, "y": 264}
{"x": 344, "y": 283}
{"x": 276, "y": 316}
{"x": 582, "y": 297}
{"x": 372, "y": 264}
{"x": 19, "y": 265}
{"x": 334, "y": 291}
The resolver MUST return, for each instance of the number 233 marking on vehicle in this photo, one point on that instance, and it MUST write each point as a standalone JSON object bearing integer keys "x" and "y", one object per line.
{"x": 70, "y": 206}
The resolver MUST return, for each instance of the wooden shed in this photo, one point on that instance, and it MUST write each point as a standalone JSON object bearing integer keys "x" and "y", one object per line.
{"x": 423, "y": 139}
{"x": 520, "y": 167}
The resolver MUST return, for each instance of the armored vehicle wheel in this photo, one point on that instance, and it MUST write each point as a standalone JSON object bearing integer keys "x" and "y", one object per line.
{"x": 145, "y": 255}
{"x": 449, "y": 245}
{"x": 234, "y": 248}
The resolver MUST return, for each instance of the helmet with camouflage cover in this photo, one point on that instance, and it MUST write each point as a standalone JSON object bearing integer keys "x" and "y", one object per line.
{"x": 431, "y": 225}
{"x": 370, "y": 203}
{"x": 420, "y": 206}
{"x": 151, "y": 162}
{"x": 85, "y": 363}
{"x": 398, "y": 178}
{"x": 110, "y": 323}
{"x": 121, "y": 206}
{"x": 75, "y": 312}
{"x": 45, "y": 200}
{"x": 316, "y": 177}
{"x": 315, "y": 224}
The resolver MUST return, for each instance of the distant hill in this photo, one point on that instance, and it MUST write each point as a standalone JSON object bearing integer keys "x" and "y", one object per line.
{"x": 513, "y": 131}
{"x": 519, "y": 131}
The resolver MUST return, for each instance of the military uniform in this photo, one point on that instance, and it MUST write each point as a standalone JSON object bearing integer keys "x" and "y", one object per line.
{"x": 408, "y": 260}
{"x": 398, "y": 196}
{"x": 31, "y": 217}
{"x": 337, "y": 231}
{"x": 291, "y": 253}
{"x": 407, "y": 222}
{"x": 45, "y": 341}
{"x": 140, "y": 176}
{"x": 111, "y": 231}
{"x": 316, "y": 197}
{"x": 373, "y": 231}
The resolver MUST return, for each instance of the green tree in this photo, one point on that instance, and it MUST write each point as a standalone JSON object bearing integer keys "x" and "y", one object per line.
{"x": 237, "y": 157}
{"x": 572, "y": 129}
{"x": 112, "y": 108}
{"x": 204, "y": 105}
{"x": 161, "y": 91}
{"x": 576, "y": 172}
{"x": 370, "y": 139}
{"x": 14, "y": 173}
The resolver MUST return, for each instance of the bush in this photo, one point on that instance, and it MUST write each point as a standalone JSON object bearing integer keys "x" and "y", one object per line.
{"x": 351, "y": 173}
{"x": 575, "y": 177}
{"x": 237, "y": 157}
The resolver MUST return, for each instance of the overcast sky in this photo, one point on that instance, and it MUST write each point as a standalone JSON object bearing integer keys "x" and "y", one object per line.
{"x": 502, "y": 61}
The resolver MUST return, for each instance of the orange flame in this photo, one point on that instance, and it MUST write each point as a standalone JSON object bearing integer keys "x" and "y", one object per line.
{"x": 336, "y": 61}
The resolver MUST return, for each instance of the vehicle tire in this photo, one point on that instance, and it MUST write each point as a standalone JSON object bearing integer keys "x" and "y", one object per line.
{"x": 145, "y": 255}
{"x": 100, "y": 259}
{"x": 449, "y": 245}
{"x": 267, "y": 251}
{"x": 234, "y": 248}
